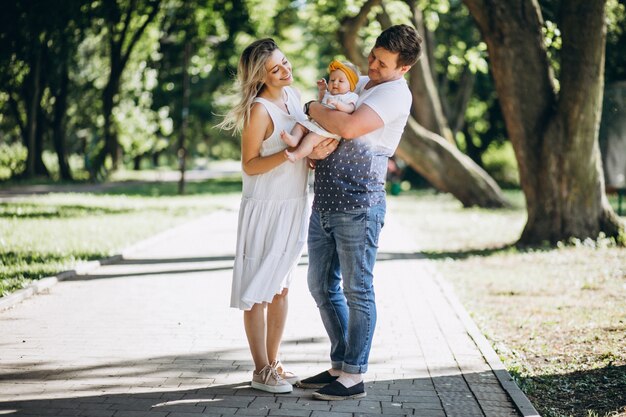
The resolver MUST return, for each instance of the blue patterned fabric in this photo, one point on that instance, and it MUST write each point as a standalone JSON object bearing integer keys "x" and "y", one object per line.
{"x": 353, "y": 176}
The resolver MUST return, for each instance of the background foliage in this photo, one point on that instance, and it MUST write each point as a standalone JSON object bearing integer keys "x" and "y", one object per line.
{"x": 56, "y": 60}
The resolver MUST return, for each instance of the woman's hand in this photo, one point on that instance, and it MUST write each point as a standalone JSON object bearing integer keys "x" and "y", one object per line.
{"x": 324, "y": 149}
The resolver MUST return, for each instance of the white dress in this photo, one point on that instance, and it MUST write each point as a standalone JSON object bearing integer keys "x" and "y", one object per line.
{"x": 273, "y": 217}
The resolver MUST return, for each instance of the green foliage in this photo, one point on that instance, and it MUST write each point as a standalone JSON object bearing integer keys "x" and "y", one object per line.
{"x": 148, "y": 111}
{"x": 12, "y": 160}
{"x": 499, "y": 161}
{"x": 615, "y": 67}
{"x": 553, "y": 43}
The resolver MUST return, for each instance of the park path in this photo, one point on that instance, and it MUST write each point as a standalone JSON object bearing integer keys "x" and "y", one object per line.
{"x": 152, "y": 335}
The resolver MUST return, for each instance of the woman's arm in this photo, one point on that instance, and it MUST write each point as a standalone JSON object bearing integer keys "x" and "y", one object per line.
{"x": 254, "y": 133}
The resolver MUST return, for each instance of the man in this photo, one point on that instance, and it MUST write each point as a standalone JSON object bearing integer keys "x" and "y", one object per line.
{"x": 349, "y": 209}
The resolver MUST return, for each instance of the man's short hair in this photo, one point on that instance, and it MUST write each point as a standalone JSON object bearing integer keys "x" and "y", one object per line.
{"x": 404, "y": 40}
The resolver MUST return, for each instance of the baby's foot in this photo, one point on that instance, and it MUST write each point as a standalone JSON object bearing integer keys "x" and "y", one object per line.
{"x": 291, "y": 156}
{"x": 288, "y": 139}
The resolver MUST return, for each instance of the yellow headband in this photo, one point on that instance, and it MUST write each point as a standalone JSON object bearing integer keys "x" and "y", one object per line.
{"x": 352, "y": 76}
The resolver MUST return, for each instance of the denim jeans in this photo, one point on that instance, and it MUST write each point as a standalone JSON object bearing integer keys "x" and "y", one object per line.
{"x": 342, "y": 251}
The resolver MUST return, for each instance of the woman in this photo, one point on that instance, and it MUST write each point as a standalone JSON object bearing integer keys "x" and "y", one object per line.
{"x": 273, "y": 216}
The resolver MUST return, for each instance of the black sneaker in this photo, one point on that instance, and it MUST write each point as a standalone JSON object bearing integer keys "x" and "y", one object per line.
{"x": 317, "y": 381}
{"x": 337, "y": 392}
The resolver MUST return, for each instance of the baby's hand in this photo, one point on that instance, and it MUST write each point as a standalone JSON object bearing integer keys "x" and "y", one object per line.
{"x": 321, "y": 85}
{"x": 332, "y": 102}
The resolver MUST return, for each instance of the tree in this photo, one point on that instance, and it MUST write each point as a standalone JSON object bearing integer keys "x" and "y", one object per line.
{"x": 426, "y": 144}
{"x": 205, "y": 33}
{"x": 23, "y": 44}
{"x": 66, "y": 29}
{"x": 554, "y": 131}
{"x": 125, "y": 21}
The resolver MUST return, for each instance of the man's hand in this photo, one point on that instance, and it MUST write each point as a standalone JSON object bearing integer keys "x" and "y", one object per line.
{"x": 324, "y": 149}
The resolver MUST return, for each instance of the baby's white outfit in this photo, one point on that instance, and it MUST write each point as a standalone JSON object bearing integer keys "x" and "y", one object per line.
{"x": 348, "y": 98}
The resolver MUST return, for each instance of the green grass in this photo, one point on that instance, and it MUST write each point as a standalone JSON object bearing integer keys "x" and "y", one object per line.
{"x": 41, "y": 236}
{"x": 555, "y": 316}
{"x": 170, "y": 189}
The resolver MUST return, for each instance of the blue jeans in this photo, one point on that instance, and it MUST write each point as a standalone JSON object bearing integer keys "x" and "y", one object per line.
{"x": 342, "y": 247}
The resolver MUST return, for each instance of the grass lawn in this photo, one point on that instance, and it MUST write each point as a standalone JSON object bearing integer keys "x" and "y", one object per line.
{"x": 556, "y": 317}
{"x": 41, "y": 236}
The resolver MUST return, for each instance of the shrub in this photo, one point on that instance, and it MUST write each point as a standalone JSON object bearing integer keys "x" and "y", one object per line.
{"x": 12, "y": 160}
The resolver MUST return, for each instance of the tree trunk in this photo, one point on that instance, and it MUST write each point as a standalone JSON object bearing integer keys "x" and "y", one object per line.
{"x": 555, "y": 138}
{"x": 111, "y": 146}
{"x": 456, "y": 111}
{"x": 58, "y": 124}
{"x": 427, "y": 109}
{"x": 182, "y": 145}
{"x": 122, "y": 41}
{"x": 137, "y": 162}
{"x": 33, "y": 111}
{"x": 349, "y": 31}
{"x": 427, "y": 153}
{"x": 40, "y": 168}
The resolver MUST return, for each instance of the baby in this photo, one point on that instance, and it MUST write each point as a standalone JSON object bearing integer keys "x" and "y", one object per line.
{"x": 337, "y": 94}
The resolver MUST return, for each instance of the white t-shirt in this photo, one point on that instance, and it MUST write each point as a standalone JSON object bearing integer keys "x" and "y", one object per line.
{"x": 392, "y": 102}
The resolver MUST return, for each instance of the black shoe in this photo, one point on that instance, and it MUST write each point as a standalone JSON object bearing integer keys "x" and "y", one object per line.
{"x": 317, "y": 381}
{"x": 336, "y": 392}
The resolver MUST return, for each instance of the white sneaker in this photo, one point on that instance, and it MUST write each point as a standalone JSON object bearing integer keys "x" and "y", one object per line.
{"x": 268, "y": 380}
{"x": 284, "y": 374}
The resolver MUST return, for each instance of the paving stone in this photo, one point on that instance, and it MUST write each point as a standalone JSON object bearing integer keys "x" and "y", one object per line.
{"x": 152, "y": 335}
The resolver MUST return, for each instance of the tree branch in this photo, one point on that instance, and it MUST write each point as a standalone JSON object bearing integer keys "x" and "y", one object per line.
{"x": 349, "y": 30}
{"x": 137, "y": 35}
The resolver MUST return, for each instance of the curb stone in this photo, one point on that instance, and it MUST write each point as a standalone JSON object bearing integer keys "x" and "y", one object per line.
{"x": 44, "y": 284}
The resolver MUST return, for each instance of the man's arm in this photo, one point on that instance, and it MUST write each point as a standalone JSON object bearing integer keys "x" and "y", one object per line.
{"x": 348, "y": 125}
{"x": 341, "y": 106}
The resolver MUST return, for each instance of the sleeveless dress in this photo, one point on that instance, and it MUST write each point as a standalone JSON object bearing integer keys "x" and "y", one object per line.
{"x": 273, "y": 217}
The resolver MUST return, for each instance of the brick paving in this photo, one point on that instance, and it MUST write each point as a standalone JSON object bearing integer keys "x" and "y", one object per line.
{"x": 152, "y": 335}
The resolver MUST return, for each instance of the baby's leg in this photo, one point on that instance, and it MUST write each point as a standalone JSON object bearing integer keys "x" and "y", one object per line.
{"x": 293, "y": 138}
{"x": 310, "y": 141}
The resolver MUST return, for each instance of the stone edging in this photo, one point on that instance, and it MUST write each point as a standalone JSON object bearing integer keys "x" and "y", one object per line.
{"x": 44, "y": 284}
{"x": 518, "y": 397}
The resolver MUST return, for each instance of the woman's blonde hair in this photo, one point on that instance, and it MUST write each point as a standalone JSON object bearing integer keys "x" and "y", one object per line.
{"x": 251, "y": 74}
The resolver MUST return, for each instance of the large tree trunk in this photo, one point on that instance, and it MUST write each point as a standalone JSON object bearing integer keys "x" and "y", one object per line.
{"x": 422, "y": 149}
{"x": 555, "y": 138}
{"x": 427, "y": 153}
